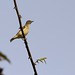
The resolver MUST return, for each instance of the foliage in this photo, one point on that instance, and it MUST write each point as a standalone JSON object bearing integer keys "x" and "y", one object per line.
{"x": 41, "y": 60}
{"x": 4, "y": 57}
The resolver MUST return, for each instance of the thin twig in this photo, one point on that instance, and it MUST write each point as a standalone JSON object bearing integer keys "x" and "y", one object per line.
{"x": 25, "y": 41}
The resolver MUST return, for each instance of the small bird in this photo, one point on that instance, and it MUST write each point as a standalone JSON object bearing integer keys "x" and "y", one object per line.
{"x": 25, "y": 30}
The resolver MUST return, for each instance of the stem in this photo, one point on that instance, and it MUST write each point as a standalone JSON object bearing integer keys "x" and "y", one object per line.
{"x": 25, "y": 41}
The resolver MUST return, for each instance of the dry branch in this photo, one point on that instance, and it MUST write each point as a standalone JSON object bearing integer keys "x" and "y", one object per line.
{"x": 25, "y": 41}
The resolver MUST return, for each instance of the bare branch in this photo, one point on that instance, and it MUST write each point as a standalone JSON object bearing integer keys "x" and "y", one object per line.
{"x": 25, "y": 41}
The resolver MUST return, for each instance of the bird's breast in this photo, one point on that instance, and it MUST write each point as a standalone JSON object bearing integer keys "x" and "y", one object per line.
{"x": 26, "y": 30}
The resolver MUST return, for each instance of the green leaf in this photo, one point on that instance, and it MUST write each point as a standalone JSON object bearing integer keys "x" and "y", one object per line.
{"x": 41, "y": 60}
{"x": 3, "y": 56}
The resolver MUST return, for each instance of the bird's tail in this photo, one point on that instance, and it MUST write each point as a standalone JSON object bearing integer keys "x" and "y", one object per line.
{"x": 13, "y": 38}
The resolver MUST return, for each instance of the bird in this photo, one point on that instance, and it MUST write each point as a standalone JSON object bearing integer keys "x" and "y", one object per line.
{"x": 25, "y": 28}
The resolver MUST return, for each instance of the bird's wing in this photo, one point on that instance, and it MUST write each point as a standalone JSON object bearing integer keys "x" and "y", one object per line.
{"x": 20, "y": 29}
{"x": 19, "y": 33}
{"x": 22, "y": 26}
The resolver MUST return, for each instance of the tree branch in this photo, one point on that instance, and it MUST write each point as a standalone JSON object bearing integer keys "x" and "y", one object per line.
{"x": 25, "y": 41}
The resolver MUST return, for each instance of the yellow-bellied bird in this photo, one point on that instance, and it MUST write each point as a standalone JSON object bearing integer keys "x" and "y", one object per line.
{"x": 25, "y": 30}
